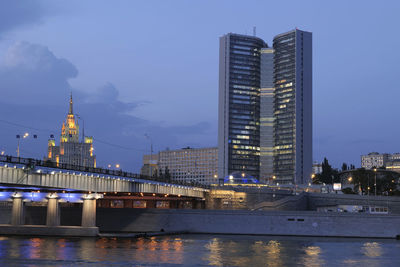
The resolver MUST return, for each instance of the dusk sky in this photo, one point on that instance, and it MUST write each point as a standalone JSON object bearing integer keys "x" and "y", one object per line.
{"x": 137, "y": 67}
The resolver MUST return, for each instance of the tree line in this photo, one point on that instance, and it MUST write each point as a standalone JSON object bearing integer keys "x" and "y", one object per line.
{"x": 364, "y": 181}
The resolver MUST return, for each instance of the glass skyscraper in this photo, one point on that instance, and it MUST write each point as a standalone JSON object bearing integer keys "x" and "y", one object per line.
{"x": 239, "y": 105}
{"x": 265, "y": 107}
{"x": 293, "y": 107}
{"x": 266, "y": 114}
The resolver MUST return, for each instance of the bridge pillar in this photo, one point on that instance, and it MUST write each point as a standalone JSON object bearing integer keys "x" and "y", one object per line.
{"x": 53, "y": 210}
{"x": 17, "y": 216}
{"x": 89, "y": 211}
{"x": 197, "y": 204}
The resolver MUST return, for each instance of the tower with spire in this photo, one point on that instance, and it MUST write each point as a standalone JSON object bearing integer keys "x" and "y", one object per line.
{"x": 71, "y": 150}
{"x": 70, "y": 128}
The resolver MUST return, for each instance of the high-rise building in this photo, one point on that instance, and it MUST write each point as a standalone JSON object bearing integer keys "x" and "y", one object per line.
{"x": 71, "y": 151}
{"x": 267, "y": 115}
{"x": 265, "y": 107}
{"x": 293, "y": 107}
{"x": 239, "y": 105}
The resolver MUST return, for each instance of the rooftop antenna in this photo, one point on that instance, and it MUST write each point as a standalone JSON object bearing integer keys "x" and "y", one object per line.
{"x": 254, "y": 31}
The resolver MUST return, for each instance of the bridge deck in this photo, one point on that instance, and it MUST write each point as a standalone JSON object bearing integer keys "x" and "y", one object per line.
{"x": 15, "y": 174}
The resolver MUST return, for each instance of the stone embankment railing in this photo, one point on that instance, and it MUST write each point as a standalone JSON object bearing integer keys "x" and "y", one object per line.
{"x": 294, "y": 202}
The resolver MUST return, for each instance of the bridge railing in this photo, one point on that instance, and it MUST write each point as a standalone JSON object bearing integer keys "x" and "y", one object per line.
{"x": 32, "y": 163}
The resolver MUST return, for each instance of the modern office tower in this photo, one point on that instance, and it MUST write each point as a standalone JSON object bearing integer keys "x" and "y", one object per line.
{"x": 267, "y": 115}
{"x": 187, "y": 164}
{"x": 71, "y": 151}
{"x": 293, "y": 107}
{"x": 239, "y": 105}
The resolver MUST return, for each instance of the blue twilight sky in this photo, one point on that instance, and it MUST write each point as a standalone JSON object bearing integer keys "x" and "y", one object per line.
{"x": 138, "y": 67}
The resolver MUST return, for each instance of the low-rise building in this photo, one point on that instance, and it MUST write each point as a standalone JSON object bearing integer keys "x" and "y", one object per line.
{"x": 316, "y": 168}
{"x": 374, "y": 160}
{"x": 150, "y": 165}
{"x": 190, "y": 165}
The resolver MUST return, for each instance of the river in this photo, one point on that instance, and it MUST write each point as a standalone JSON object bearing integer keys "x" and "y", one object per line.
{"x": 198, "y": 250}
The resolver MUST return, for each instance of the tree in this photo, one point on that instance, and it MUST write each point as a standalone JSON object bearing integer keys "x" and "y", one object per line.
{"x": 160, "y": 174}
{"x": 364, "y": 180}
{"x": 167, "y": 175}
{"x": 155, "y": 174}
{"x": 344, "y": 167}
{"x": 328, "y": 174}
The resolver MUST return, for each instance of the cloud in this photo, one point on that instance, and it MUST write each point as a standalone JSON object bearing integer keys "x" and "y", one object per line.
{"x": 108, "y": 95}
{"x": 14, "y": 14}
{"x": 32, "y": 73}
{"x": 35, "y": 88}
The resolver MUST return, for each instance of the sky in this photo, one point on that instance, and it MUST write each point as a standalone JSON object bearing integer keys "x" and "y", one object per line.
{"x": 139, "y": 68}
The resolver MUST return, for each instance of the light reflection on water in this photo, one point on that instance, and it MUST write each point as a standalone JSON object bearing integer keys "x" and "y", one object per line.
{"x": 198, "y": 250}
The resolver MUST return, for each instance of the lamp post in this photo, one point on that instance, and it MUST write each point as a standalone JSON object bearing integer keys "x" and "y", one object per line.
{"x": 151, "y": 153}
{"x": 19, "y": 137}
{"x": 375, "y": 181}
{"x": 83, "y": 139}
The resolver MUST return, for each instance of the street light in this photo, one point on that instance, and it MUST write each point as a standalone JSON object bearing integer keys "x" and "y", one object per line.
{"x": 19, "y": 137}
{"x": 117, "y": 165}
{"x": 151, "y": 153}
{"x": 375, "y": 181}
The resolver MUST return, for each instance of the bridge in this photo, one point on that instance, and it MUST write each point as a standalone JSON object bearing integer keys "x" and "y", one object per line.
{"x": 23, "y": 181}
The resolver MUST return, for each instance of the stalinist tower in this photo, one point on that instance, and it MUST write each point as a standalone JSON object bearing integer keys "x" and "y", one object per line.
{"x": 72, "y": 151}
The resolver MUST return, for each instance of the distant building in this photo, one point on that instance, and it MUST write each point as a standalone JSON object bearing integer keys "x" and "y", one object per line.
{"x": 187, "y": 164}
{"x": 374, "y": 160}
{"x": 150, "y": 165}
{"x": 71, "y": 150}
{"x": 316, "y": 168}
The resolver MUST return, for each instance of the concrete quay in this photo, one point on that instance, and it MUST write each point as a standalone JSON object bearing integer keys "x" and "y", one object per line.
{"x": 128, "y": 222}
{"x": 43, "y": 230}
{"x": 286, "y": 223}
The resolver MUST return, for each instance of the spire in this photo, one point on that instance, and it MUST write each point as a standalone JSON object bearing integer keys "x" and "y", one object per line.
{"x": 70, "y": 105}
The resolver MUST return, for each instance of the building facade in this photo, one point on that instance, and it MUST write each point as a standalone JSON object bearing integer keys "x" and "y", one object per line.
{"x": 316, "y": 168}
{"x": 150, "y": 165}
{"x": 71, "y": 150}
{"x": 239, "y": 105}
{"x": 189, "y": 165}
{"x": 293, "y": 107}
{"x": 265, "y": 107}
{"x": 267, "y": 115}
{"x": 374, "y": 160}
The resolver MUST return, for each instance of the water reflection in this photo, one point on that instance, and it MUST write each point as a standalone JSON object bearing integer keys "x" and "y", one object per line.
{"x": 312, "y": 257}
{"x": 372, "y": 249}
{"x": 215, "y": 252}
{"x": 274, "y": 257}
{"x": 198, "y": 250}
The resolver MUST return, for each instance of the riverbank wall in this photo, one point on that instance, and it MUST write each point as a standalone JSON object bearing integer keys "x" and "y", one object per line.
{"x": 256, "y": 222}
{"x": 290, "y": 223}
